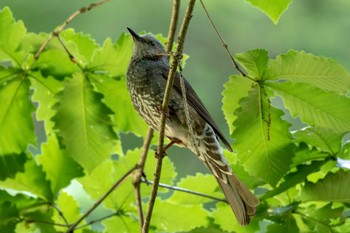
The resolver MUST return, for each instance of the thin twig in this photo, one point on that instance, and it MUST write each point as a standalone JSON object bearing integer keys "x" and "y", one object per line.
{"x": 98, "y": 202}
{"x": 68, "y": 20}
{"x": 173, "y": 25}
{"x": 60, "y": 213}
{"x": 186, "y": 191}
{"x": 28, "y": 221}
{"x": 235, "y": 64}
{"x": 170, "y": 82}
{"x": 138, "y": 173}
{"x": 98, "y": 220}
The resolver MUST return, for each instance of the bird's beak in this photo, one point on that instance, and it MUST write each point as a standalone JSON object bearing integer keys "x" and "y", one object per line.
{"x": 135, "y": 36}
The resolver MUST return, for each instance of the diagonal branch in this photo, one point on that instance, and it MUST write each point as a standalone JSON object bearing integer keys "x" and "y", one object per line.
{"x": 65, "y": 23}
{"x": 170, "y": 82}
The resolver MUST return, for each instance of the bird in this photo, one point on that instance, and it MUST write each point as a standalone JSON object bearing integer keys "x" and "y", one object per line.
{"x": 146, "y": 78}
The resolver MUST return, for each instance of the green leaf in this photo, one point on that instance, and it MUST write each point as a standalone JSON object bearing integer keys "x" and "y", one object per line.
{"x": 79, "y": 45}
{"x": 84, "y": 124}
{"x": 334, "y": 187}
{"x": 121, "y": 223}
{"x": 171, "y": 217}
{"x": 195, "y": 183}
{"x": 288, "y": 225}
{"x": 37, "y": 221}
{"x": 314, "y": 106}
{"x": 44, "y": 93}
{"x": 263, "y": 140}
{"x": 31, "y": 180}
{"x": 11, "y": 34}
{"x": 69, "y": 208}
{"x": 224, "y": 217}
{"x": 324, "y": 214}
{"x": 301, "y": 67}
{"x": 235, "y": 89}
{"x": 254, "y": 61}
{"x": 117, "y": 98}
{"x": 294, "y": 178}
{"x": 11, "y": 164}
{"x": 59, "y": 168}
{"x": 272, "y": 8}
{"x": 16, "y": 123}
{"x": 324, "y": 139}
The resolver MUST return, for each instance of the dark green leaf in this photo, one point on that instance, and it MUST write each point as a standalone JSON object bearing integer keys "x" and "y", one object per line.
{"x": 11, "y": 164}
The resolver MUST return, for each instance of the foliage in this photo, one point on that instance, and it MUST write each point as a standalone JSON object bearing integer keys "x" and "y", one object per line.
{"x": 60, "y": 124}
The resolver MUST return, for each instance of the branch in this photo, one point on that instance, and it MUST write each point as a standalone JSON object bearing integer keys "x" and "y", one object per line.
{"x": 170, "y": 82}
{"x": 65, "y": 23}
{"x": 98, "y": 202}
{"x": 235, "y": 64}
{"x": 186, "y": 191}
{"x": 138, "y": 173}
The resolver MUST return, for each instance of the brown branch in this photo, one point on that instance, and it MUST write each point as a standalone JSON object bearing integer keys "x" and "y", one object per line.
{"x": 65, "y": 23}
{"x": 173, "y": 25}
{"x": 99, "y": 201}
{"x": 138, "y": 173}
{"x": 170, "y": 82}
{"x": 234, "y": 62}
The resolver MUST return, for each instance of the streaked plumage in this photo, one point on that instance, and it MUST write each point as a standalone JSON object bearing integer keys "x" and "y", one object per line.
{"x": 146, "y": 80}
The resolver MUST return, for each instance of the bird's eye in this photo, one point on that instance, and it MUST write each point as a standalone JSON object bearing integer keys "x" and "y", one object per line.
{"x": 152, "y": 43}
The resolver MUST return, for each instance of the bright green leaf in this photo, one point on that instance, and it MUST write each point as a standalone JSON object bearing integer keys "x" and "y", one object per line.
{"x": 205, "y": 184}
{"x": 11, "y": 34}
{"x": 31, "y": 180}
{"x": 334, "y": 187}
{"x": 60, "y": 169}
{"x": 263, "y": 140}
{"x": 171, "y": 217}
{"x": 84, "y": 124}
{"x": 272, "y": 8}
{"x": 324, "y": 139}
{"x": 301, "y": 67}
{"x": 235, "y": 89}
{"x": 254, "y": 61}
{"x": 16, "y": 123}
{"x": 304, "y": 154}
{"x": 69, "y": 208}
{"x": 122, "y": 223}
{"x": 314, "y": 106}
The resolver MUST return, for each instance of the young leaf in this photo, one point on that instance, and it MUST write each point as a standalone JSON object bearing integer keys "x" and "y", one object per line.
{"x": 235, "y": 89}
{"x": 60, "y": 169}
{"x": 171, "y": 217}
{"x": 272, "y": 8}
{"x": 31, "y": 180}
{"x": 254, "y": 61}
{"x": 11, "y": 34}
{"x": 301, "y": 67}
{"x": 263, "y": 140}
{"x": 83, "y": 123}
{"x": 314, "y": 106}
{"x": 16, "y": 123}
{"x": 334, "y": 187}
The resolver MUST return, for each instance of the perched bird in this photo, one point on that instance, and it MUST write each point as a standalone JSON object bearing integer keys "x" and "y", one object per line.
{"x": 146, "y": 80}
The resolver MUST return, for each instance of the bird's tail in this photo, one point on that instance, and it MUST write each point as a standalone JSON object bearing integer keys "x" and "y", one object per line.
{"x": 241, "y": 200}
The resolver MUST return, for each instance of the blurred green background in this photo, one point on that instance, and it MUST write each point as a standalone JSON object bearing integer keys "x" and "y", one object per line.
{"x": 320, "y": 27}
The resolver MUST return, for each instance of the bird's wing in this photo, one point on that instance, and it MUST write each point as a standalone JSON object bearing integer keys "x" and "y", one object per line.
{"x": 195, "y": 102}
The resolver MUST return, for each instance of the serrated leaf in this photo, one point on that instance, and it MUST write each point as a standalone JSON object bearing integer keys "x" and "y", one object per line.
{"x": 117, "y": 98}
{"x": 224, "y": 217}
{"x": 314, "y": 106}
{"x": 254, "y": 61}
{"x": 272, "y": 8}
{"x": 173, "y": 217}
{"x": 301, "y": 67}
{"x": 11, "y": 164}
{"x": 45, "y": 90}
{"x": 294, "y": 178}
{"x": 324, "y": 139}
{"x": 84, "y": 124}
{"x": 201, "y": 183}
{"x": 263, "y": 140}
{"x": 235, "y": 89}
{"x": 122, "y": 223}
{"x": 11, "y": 34}
{"x": 80, "y": 45}
{"x": 334, "y": 187}
{"x": 16, "y": 123}
{"x": 69, "y": 208}
{"x": 31, "y": 180}
{"x": 304, "y": 154}
{"x": 60, "y": 169}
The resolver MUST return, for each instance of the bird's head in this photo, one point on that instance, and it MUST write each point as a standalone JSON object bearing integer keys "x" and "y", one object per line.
{"x": 146, "y": 46}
